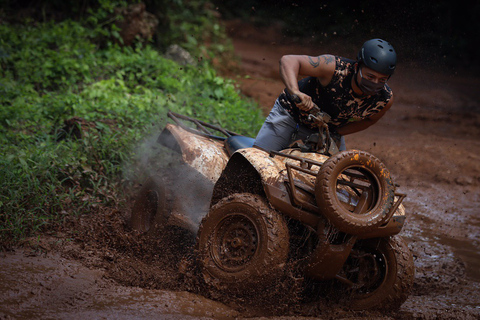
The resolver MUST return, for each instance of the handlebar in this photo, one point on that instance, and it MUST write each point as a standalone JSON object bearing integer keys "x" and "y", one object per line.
{"x": 321, "y": 120}
{"x": 318, "y": 116}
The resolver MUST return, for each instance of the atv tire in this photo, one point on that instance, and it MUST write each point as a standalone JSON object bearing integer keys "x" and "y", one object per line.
{"x": 360, "y": 176}
{"x": 242, "y": 245}
{"x": 150, "y": 208}
{"x": 382, "y": 271}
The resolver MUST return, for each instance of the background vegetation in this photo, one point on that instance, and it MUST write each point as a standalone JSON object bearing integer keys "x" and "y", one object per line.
{"x": 75, "y": 105}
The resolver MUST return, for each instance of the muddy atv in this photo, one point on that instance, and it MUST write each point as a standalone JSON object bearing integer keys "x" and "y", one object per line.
{"x": 333, "y": 215}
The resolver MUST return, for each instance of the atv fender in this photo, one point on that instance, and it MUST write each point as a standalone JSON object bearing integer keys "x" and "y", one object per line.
{"x": 207, "y": 156}
{"x": 239, "y": 176}
{"x": 252, "y": 170}
{"x": 272, "y": 169}
{"x": 268, "y": 168}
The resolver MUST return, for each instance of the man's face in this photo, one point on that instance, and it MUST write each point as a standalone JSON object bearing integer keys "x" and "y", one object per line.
{"x": 372, "y": 75}
{"x": 369, "y": 81}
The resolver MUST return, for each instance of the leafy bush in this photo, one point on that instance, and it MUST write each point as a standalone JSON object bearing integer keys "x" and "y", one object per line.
{"x": 194, "y": 24}
{"x": 52, "y": 72}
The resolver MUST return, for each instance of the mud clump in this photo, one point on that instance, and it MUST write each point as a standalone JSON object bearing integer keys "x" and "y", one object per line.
{"x": 130, "y": 259}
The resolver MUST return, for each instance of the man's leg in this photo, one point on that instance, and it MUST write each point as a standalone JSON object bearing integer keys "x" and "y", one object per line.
{"x": 277, "y": 130}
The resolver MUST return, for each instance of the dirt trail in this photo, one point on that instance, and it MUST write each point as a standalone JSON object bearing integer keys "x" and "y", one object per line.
{"x": 430, "y": 141}
{"x": 52, "y": 287}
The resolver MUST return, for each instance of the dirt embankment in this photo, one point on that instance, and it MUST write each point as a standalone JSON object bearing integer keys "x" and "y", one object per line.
{"x": 430, "y": 141}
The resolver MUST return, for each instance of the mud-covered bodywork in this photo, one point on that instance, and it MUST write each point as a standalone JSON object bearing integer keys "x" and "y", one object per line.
{"x": 191, "y": 187}
{"x": 288, "y": 188}
{"x": 271, "y": 174}
{"x": 206, "y": 155}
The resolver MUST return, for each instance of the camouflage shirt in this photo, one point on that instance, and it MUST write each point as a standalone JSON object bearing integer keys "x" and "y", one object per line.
{"x": 337, "y": 98}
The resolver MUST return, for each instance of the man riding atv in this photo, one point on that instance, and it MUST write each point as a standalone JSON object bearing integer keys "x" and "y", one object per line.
{"x": 354, "y": 94}
{"x": 307, "y": 210}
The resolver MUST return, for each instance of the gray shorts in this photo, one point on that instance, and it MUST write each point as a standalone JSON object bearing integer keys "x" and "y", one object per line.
{"x": 277, "y": 132}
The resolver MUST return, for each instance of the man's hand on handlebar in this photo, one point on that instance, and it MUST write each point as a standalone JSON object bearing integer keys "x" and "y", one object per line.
{"x": 303, "y": 101}
{"x": 306, "y": 105}
{"x": 319, "y": 117}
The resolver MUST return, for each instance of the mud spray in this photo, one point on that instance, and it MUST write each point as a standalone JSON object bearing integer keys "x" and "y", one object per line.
{"x": 188, "y": 192}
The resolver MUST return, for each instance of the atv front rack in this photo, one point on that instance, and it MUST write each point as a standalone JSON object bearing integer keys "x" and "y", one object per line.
{"x": 306, "y": 167}
{"x": 202, "y": 128}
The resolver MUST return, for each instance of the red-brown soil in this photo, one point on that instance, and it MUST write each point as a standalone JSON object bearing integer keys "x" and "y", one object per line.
{"x": 430, "y": 141}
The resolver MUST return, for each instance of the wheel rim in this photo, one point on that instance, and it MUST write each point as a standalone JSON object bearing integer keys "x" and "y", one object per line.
{"x": 234, "y": 242}
{"x": 367, "y": 271}
{"x": 357, "y": 190}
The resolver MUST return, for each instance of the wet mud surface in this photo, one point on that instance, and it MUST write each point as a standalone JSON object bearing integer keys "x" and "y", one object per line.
{"x": 429, "y": 140}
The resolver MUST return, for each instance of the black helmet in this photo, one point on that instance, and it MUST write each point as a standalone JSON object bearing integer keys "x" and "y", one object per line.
{"x": 379, "y": 55}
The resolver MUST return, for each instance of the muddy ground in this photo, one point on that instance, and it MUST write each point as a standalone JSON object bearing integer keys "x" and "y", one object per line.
{"x": 430, "y": 141}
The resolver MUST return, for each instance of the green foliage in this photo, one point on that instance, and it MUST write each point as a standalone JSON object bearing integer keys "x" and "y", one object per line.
{"x": 194, "y": 25}
{"x": 52, "y": 72}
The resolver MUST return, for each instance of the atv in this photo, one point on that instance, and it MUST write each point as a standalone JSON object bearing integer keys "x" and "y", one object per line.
{"x": 334, "y": 215}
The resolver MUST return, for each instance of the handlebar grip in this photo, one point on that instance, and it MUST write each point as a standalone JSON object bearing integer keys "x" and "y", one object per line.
{"x": 315, "y": 110}
{"x": 295, "y": 98}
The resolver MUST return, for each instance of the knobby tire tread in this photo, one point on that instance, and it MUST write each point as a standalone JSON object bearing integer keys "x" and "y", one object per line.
{"x": 325, "y": 198}
{"x": 271, "y": 267}
{"x": 391, "y": 298}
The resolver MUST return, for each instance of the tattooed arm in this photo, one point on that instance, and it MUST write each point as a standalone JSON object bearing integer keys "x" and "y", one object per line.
{"x": 291, "y": 66}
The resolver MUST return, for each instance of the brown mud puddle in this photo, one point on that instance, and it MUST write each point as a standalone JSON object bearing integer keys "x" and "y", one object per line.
{"x": 47, "y": 286}
{"x": 430, "y": 141}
